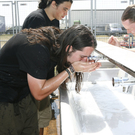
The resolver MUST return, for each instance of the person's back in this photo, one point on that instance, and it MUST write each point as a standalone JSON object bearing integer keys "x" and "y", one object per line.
{"x": 48, "y": 14}
{"x": 11, "y": 81}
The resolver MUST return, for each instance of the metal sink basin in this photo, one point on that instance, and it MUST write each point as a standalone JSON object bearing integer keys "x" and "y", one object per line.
{"x": 99, "y": 109}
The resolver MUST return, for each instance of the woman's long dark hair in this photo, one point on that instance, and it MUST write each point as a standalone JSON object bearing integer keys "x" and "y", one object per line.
{"x": 78, "y": 37}
{"x": 46, "y": 3}
{"x": 45, "y": 36}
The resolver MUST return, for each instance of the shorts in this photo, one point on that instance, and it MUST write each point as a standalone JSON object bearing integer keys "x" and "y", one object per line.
{"x": 19, "y": 118}
{"x": 44, "y": 112}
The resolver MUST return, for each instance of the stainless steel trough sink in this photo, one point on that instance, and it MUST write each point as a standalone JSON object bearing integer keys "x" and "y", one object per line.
{"x": 99, "y": 109}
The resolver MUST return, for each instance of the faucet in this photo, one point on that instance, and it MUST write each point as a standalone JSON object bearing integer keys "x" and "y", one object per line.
{"x": 123, "y": 81}
{"x": 96, "y": 58}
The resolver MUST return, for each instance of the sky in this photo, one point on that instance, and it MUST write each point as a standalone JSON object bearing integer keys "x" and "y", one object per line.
{"x": 26, "y": 7}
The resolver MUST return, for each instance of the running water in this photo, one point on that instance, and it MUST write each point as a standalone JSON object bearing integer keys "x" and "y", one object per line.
{"x": 99, "y": 108}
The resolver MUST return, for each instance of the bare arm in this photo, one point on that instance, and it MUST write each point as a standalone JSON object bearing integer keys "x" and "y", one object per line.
{"x": 114, "y": 41}
{"x": 42, "y": 88}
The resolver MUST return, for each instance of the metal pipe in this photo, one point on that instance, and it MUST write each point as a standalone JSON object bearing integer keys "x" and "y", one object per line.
{"x": 129, "y": 41}
{"x": 69, "y": 12}
{"x": 132, "y": 41}
{"x": 12, "y": 16}
{"x": 123, "y": 81}
{"x": 15, "y": 16}
{"x": 91, "y": 16}
{"x": 18, "y": 16}
{"x": 96, "y": 58}
{"x": 95, "y": 19}
{"x": 66, "y": 22}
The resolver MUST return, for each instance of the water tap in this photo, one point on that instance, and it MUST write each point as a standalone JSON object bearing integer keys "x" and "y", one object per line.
{"x": 122, "y": 81}
{"x": 96, "y": 58}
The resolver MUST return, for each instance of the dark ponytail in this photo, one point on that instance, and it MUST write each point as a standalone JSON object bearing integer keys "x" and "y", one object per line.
{"x": 46, "y": 3}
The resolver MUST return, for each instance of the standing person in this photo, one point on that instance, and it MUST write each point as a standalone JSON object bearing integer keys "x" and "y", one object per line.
{"x": 128, "y": 21}
{"x": 48, "y": 14}
{"x": 25, "y": 63}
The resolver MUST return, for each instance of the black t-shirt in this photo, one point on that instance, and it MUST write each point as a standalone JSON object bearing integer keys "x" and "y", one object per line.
{"x": 38, "y": 19}
{"x": 17, "y": 58}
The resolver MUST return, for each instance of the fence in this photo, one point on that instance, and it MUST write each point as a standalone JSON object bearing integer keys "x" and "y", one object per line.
{"x": 15, "y": 12}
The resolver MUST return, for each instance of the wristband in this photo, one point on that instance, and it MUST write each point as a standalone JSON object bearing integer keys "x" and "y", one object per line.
{"x": 71, "y": 69}
{"x": 68, "y": 72}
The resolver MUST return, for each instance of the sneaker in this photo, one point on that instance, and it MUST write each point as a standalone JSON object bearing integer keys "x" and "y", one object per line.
{"x": 54, "y": 96}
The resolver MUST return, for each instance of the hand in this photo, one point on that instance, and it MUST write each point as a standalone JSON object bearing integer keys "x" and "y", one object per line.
{"x": 81, "y": 66}
{"x": 113, "y": 41}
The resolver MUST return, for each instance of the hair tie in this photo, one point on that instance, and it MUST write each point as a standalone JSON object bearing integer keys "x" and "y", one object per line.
{"x": 48, "y": 2}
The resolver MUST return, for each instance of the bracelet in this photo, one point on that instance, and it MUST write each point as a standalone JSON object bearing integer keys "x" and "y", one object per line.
{"x": 68, "y": 72}
{"x": 71, "y": 69}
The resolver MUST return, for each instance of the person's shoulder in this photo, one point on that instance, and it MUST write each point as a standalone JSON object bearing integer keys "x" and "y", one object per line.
{"x": 40, "y": 49}
{"x": 36, "y": 16}
{"x": 20, "y": 36}
{"x": 36, "y": 13}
